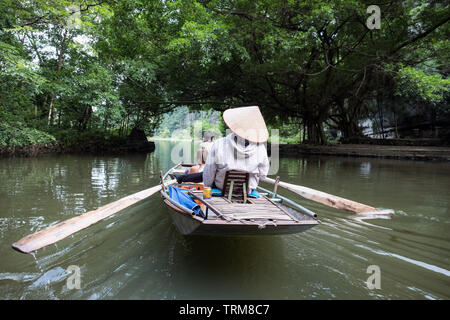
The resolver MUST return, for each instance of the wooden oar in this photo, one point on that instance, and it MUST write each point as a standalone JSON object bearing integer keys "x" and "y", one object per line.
{"x": 329, "y": 199}
{"x": 65, "y": 228}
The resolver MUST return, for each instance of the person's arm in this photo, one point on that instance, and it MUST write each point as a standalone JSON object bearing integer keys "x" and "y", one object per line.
{"x": 209, "y": 171}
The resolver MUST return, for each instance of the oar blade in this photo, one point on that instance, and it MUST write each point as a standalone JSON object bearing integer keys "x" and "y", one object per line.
{"x": 329, "y": 199}
{"x": 61, "y": 230}
{"x": 68, "y": 227}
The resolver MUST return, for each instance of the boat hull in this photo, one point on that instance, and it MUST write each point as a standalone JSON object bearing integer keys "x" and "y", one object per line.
{"x": 187, "y": 224}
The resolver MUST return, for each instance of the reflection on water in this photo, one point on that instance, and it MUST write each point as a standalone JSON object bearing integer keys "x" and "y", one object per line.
{"x": 365, "y": 169}
{"x": 138, "y": 254}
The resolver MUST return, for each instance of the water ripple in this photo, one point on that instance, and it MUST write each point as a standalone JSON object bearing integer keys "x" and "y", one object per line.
{"x": 415, "y": 262}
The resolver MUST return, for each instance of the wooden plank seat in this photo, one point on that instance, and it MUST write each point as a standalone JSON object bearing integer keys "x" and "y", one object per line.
{"x": 235, "y": 185}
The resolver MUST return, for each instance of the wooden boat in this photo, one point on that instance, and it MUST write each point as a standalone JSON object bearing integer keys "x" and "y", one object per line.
{"x": 233, "y": 214}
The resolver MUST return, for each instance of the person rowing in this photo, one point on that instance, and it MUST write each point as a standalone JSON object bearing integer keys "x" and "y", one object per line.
{"x": 243, "y": 149}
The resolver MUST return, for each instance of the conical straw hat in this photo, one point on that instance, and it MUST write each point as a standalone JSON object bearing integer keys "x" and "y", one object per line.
{"x": 248, "y": 123}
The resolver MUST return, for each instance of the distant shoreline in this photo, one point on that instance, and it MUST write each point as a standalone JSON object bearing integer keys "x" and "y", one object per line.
{"x": 112, "y": 146}
{"x": 372, "y": 151}
{"x": 170, "y": 139}
{"x": 424, "y": 153}
{"x": 409, "y": 152}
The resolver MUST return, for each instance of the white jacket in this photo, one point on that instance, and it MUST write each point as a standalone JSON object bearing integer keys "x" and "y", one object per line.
{"x": 227, "y": 154}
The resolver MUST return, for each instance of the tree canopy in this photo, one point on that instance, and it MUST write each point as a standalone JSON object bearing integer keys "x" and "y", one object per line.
{"x": 68, "y": 67}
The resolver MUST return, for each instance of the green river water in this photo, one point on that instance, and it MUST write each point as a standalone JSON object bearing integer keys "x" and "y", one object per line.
{"x": 138, "y": 253}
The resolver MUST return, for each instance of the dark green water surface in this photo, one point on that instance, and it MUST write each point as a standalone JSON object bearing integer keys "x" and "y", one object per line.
{"x": 138, "y": 253}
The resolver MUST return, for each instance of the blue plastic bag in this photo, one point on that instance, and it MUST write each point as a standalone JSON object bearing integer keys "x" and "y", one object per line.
{"x": 185, "y": 200}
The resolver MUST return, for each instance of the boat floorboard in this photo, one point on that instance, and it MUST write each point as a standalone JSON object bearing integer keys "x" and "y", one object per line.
{"x": 261, "y": 208}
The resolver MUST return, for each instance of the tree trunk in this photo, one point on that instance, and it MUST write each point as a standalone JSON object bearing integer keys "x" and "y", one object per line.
{"x": 348, "y": 118}
{"x": 381, "y": 116}
{"x": 51, "y": 113}
{"x": 315, "y": 132}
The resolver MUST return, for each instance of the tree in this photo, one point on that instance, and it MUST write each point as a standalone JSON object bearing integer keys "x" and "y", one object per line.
{"x": 125, "y": 64}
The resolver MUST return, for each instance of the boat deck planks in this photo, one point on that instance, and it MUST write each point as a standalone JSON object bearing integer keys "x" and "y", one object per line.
{"x": 260, "y": 208}
{"x": 262, "y": 216}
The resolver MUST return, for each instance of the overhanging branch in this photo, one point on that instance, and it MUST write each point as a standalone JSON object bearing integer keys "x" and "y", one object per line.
{"x": 420, "y": 36}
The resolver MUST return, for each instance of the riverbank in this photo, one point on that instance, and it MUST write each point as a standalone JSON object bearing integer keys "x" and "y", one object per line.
{"x": 120, "y": 146}
{"x": 374, "y": 151}
{"x": 92, "y": 148}
{"x": 135, "y": 142}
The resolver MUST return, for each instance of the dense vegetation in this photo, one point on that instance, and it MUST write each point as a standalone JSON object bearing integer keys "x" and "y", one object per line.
{"x": 183, "y": 123}
{"x": 70, "y": 70}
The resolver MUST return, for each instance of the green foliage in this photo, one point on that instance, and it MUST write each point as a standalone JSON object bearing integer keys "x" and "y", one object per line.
{"x": 16, "y": 136}
{"x": 19, "y": 84}
{"x": 309, "y": 65}
{"x": 415, "y": 82}
{"x": 185, "y": 124}
{"x": 65, "y": 136}
{"x": 289, "y": 130}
